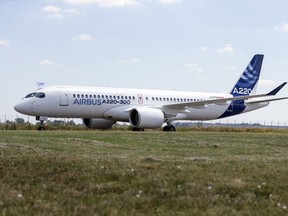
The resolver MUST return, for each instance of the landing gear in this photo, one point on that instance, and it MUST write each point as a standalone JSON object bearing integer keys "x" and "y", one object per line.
{"x": 137, "y": 129}
{"x": 170, "y": 128}
{"x": 41, "y": 127}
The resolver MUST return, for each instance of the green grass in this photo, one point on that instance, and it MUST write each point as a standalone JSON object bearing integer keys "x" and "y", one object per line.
{"x": 149, "y": 173}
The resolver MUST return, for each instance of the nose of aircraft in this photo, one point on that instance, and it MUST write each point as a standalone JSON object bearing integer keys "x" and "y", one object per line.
{"x": 23, "y": 107}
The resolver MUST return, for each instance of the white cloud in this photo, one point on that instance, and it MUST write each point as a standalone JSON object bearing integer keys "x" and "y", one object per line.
{"x": 168, "y": 1}
{"x": 283, "y": 27}
{"x": 4, "y": 42}
{"x": 105, "y": 3}
{"x": 228, "y": 48}
{"x": 267, "y": 83}
{"x": 230, "y": 68}
{"x": 131, "y": 61}
{"x": 48, "y": 62}
{"x": 51, "y": 9}
{"x": 194, "y": 67}
{"x": 203, "y": 49}
{"x": 58, "y": 13}
{"x": 83, "y": 37}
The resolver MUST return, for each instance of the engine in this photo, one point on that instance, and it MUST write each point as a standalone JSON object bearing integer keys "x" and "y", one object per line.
{"x": 144, "y": 117}
{"x": 96, "y": 123}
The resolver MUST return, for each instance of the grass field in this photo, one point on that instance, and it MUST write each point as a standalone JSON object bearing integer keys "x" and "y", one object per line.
{"x": 148, "y": 173}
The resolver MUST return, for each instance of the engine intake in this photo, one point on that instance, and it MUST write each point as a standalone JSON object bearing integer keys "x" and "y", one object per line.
{"x": 144, "y": 117}
{"x": 96, "y": 123}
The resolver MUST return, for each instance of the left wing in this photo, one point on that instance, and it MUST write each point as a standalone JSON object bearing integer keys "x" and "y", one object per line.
{"x": 224, "y": 101}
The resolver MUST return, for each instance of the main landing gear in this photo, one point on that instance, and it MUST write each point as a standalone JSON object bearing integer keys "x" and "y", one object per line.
{"x": 137, "y": 129}
{"x": 169, "y": 128}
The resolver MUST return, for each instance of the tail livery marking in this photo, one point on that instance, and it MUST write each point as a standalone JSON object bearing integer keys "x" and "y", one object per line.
{"x": 249, "y": 78}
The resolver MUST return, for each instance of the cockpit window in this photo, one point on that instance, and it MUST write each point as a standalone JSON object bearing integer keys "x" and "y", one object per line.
{"x": 40, "y": 95}
{"x": 31, "y": 95}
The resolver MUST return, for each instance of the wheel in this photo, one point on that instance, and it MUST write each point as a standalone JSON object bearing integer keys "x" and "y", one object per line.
{"x": 170, "y": 128}
{"x": 41, "y": 128}
{"x": 137, "y": 129}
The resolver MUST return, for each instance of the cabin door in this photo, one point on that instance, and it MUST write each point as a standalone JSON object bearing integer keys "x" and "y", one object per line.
{"x": 64, "y": 101}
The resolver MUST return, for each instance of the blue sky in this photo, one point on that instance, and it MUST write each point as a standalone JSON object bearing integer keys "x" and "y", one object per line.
{"x": 194, "y": 45}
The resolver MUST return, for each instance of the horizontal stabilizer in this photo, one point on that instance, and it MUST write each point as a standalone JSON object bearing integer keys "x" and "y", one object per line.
{"x": 276, "y": 90}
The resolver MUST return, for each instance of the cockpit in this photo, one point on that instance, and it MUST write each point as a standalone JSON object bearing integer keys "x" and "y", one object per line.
{"x": 36, "y": 94}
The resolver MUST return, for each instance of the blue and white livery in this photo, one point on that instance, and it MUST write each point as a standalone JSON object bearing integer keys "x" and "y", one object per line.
{"x": 100, "y": 108}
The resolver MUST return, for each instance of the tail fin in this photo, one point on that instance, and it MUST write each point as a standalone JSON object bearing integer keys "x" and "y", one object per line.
{"x": 247, "y": 83}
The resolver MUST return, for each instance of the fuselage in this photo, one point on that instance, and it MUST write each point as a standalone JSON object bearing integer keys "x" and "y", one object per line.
{"x": 115, "y": 103}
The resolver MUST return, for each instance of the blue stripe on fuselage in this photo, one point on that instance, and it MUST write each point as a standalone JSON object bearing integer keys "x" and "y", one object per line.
{"x": 235, "y": 108}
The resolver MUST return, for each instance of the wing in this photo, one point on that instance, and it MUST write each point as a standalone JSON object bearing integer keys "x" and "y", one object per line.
{"x": 224, "y": 101}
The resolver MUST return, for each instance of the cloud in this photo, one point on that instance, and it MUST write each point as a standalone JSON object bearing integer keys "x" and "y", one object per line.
{"x": 48, "y": 62}
{"x": 4, "y": 42}
{"x": 194, "y": 67}
{"x": 267, "y": 83}
{"x": 58, "y": 13}
{"x": 168, "y": 1}
{"x": 283, "y": 27}
{"x": 105, "y": 3}
{"x": 203, "y": 49}
{"x": 83, "y": 37}
{"x": 131, "y": 61}
{"x": 230, "y": 68}
{"x": 228, "y": 48}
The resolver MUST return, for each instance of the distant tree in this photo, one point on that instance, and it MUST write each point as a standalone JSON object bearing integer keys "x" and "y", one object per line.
{"x": 20, "y": 121}
{"x": 70, "y": 123}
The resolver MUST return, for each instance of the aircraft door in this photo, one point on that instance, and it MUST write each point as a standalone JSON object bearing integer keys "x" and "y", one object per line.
{"x": 140, "y": 99}
{"x": 64, "y": 100}
{"x": 230, "y": 108}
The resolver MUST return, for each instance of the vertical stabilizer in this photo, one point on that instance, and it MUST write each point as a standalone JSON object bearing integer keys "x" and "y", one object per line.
{"x": 247, "y": 83}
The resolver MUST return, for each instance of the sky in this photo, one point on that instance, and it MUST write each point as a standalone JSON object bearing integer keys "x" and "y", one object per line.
{"x": 190, "y": 45}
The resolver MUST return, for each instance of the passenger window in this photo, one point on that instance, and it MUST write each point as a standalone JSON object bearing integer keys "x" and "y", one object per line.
{"x": 147, "y": 98}
{"x": 133, "y": 98}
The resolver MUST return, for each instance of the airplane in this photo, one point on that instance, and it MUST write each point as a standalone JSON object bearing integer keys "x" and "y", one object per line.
{"x": 101, "y": 108}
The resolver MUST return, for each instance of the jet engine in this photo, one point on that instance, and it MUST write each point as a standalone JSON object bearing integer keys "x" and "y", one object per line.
{"x": 144, "y": 117}
{"x": 96, "y": 123}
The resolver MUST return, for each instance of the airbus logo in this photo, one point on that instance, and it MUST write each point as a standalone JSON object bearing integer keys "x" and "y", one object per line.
{"x": 240, "y": 90}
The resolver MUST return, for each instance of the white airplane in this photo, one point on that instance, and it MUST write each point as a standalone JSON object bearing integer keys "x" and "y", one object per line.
{"x": 100, "y": 108}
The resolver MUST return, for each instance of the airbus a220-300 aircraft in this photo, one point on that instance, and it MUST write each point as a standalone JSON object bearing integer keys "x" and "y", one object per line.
{"x": 100, "y": 108}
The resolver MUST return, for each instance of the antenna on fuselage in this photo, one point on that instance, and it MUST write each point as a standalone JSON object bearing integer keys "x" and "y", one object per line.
{"x": 40, "y": 85}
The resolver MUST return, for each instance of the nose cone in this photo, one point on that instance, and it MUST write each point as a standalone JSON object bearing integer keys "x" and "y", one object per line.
{"x": 23, "y": 107}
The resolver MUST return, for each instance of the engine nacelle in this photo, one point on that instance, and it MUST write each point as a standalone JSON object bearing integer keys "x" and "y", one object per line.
{"x": 144, "y": 117}
{"x": 96, "y": 123}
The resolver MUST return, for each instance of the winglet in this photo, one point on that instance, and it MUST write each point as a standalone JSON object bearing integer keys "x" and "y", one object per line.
{"x": 276, "y": 90}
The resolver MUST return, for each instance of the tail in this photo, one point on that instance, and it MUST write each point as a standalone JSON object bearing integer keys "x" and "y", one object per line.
{"x": 247, "y": 83}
